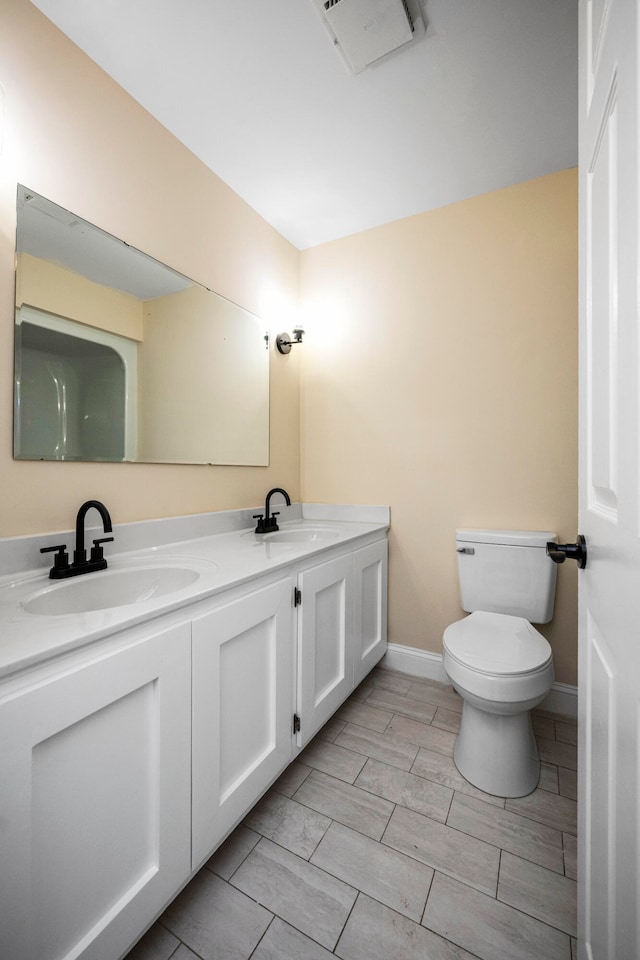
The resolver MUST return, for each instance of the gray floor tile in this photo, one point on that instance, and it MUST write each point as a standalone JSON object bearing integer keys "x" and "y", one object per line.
{"x": 331, "y": 729}
{"x": 288, "y": 782}
{"x": 447, "y": 719}
{"x": 183, "y": 953}
{"x": 309, "y": 899}
{"x": 374, "y": 932}
{"x": 423, "y": 735}
{"x": 509, "y": 831}
{"x": 333, "y": 759}
{"x": 293, "y": 826}
{"x": 383, "y": 746}
{"x": 361, "y": 692}
{"x": 233, "y": 851}
{"x": 215, "y": 920}
{"x": 566, "y": 732}
{"x": 345, "y": 803}
{"x": 365, "y": 715}
{"x": 541, "y": 893}
{"x": 443, "y": 848}
{"x": 284, "y": 942}
{"x": 568, "y": 783}
{"x": 384, "y": 874}
{"x": 562, "y": 717}
{"x": 570, "y": 856}
{"x": 487, "y": 928}
{"x": 441, "y": 769}
{"x": 439, "y": 694}
{"x": 157, "y": 944}
{"x": 549, "y": 778}
{"x": 390, "y": 680}
{"x": 395, "y": 703}
{"x": 552, "y": 751}
{"x": 543, "y": 726}
{"x": 550, "y": 808}
{"x": 407, "y": 789}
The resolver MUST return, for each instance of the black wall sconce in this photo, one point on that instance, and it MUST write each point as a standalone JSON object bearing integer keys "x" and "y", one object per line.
{"x": 284, "y": 344}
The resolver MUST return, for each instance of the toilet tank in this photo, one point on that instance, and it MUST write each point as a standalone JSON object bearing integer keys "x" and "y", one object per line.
{"x": 507, "y": 571}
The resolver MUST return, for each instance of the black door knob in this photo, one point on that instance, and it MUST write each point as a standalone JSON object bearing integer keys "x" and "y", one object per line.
{"x": 574, "y": 551}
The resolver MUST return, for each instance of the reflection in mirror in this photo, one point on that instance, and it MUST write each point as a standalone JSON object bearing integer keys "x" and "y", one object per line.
{"x": 119, "y": 358}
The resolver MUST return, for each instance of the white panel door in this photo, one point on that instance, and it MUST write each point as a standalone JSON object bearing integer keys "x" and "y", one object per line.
{"x": 325, "y": 643}
{"x": 609, "y": 483}
{"x": 95, "y": 801}
{"x": 243, "y": 683}
{"x": 369, "y": 608}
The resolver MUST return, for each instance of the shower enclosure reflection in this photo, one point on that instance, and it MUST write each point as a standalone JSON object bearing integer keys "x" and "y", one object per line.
{"x": 74, "y": 395}
{"x": 118, "y": 357}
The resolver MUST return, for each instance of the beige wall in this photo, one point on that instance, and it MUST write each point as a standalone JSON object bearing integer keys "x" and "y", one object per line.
{"x": 208, "y": 405}
{"x": 54, "y": 289}
{"x": 440, "y": 376}
{"x": 73, "y": 135}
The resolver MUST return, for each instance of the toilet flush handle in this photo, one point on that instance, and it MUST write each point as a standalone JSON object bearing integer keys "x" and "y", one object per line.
{"x": 574, "y": 551}
{"x": 470, "y": 550}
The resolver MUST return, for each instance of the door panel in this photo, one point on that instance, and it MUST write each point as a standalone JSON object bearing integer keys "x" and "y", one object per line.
{"x": 370, "y": 608}
{"x": 96, "y": 769}
{"x": 325, "y": 657}
{"x": 609, "y": 596}
{"x": 243, "y": 654}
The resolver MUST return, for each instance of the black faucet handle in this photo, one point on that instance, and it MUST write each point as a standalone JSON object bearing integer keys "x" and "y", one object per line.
{"x": 96, "y": 550}
{"x": 260, "y": 526}
{"x": 61, "y": 559}
{"x": 270, "y": 523}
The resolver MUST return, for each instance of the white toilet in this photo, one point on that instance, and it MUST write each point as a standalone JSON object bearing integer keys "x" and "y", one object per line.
{"x": 500, "y": 665}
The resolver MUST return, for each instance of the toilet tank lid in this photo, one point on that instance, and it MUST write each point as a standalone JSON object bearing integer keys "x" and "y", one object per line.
{"x": 518, "y": 538}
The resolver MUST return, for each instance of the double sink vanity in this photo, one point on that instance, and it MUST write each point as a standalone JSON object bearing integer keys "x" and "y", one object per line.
{"x": 146, "y": 707}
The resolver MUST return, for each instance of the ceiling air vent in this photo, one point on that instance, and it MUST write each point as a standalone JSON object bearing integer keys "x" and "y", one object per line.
{"x": 363, "y": 31}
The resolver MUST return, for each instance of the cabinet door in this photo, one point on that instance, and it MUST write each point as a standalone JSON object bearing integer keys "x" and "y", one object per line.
{"x": 369, "y": 608}
{"x": 95, "y": 801}
{"x": 242, "y": 708}
{"x": 325, "y": 659}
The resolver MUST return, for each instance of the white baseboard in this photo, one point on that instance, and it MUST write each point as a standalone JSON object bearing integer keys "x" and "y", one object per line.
{"x": 562, "y": 697}
{"x": 417, "y": 663}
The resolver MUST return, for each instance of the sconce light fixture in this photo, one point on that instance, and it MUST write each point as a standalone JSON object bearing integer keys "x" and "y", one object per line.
{"x": 284, "y": 344}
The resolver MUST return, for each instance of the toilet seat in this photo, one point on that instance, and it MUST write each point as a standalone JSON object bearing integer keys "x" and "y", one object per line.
{"x": 497, "y": 645}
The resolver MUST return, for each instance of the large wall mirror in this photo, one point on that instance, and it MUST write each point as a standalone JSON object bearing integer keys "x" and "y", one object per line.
{"x": 120, "y": 358}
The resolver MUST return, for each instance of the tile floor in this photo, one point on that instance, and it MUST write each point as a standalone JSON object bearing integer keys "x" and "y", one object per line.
{"x": 371, "y": 846}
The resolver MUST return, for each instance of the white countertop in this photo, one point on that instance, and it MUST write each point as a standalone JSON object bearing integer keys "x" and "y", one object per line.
{"x": 227, "y": 555}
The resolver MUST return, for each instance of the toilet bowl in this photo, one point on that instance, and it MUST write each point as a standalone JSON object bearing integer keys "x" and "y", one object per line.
{"x": 497, "y": 661}
{"x": 502, "y": 667}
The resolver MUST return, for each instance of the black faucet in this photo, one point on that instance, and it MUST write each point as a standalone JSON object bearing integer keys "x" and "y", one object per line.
{"x": 61, "y": 567}
{"x": 267, "y": 522}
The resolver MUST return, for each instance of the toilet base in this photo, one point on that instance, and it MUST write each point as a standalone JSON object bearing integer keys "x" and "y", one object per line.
{"x": 497, "y": 753}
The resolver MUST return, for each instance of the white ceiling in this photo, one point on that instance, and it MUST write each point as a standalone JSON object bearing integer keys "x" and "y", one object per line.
{"x": 485, "y": 99}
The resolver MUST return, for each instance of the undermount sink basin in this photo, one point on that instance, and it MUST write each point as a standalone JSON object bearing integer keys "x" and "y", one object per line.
{"x": 296, "y": 534}
{"x": 109, "y": 588}
{"x": 307, "y": 535}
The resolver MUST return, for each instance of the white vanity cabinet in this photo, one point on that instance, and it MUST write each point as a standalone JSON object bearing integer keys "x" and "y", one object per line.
{"x": 125, "y": 762}
{"x": 95, "y": 797}
{"x": 243, "y": 669}
{"x": 342, "y": 631}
